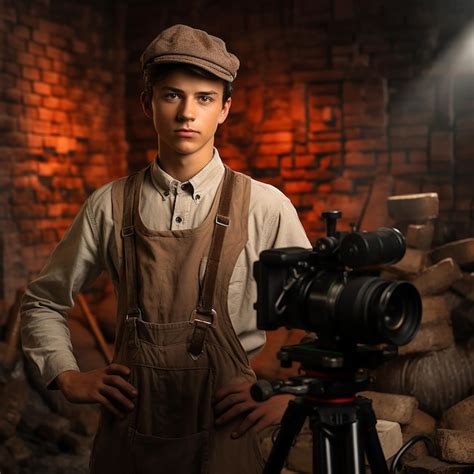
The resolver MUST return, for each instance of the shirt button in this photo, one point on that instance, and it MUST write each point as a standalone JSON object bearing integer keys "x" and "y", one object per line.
{"x": 166, "y": 193}
{"x": 179, "y": 220}
{"x": 184, "y": 186}
{"x": 198, "y": 196}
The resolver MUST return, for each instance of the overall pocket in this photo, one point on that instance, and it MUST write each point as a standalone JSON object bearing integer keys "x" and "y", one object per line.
{"x": 173, "y": 402}
{"x": 185, "y": 455}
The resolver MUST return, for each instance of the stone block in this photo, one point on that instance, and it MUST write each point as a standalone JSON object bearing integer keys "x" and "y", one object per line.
{"x": 391, "y": 407}
{"x": 432, "y": 337}
{"x": 412, "y": 263}
{"x": 465, "y": 286}
{"x": 430, "y": 465}
{"x": 422, "y": 423}
{"x": 438, "y": 278}
{"x": 390, "y": 437}
{"x": 456, "y": 445}
{"x": 414, "y": 208}
{"x": 420, "y": 236}
{"x": 461, "y": 251}
{"x": 435, "y": 309}
{"x": 460, "y": 416}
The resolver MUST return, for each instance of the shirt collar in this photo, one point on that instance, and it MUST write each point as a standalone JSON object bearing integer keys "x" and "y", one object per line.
{"x": 207, "y": 180}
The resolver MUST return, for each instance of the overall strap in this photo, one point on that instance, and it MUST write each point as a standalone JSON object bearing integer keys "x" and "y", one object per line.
{"x": 204, "y": 315}
{"x": 128, "y": 236}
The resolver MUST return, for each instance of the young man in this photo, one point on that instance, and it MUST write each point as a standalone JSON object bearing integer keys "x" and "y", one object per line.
{"x": 179, "y": 240}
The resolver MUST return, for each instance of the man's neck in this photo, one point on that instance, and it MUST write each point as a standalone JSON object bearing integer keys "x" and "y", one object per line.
{"x": 184, "y": 167}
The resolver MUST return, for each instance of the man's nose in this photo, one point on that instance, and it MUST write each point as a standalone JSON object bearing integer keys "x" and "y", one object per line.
{"x": 187, "y": 110}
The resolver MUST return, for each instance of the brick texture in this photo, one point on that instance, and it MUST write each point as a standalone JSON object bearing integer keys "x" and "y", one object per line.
{"x": 61, "y": 107}
{"x": 319, "y": 89}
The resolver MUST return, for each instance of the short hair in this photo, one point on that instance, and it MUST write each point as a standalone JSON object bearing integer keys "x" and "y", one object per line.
{"x": 152, "y": 73}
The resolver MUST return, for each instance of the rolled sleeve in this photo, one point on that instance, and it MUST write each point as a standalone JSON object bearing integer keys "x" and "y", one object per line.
{"x": 75, "y": 262}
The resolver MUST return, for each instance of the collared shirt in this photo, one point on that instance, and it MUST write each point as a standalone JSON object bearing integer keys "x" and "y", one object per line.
{"x": 89, "y": 247}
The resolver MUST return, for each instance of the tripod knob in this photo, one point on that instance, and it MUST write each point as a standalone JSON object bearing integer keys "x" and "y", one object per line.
{"x": 261, "y": 391}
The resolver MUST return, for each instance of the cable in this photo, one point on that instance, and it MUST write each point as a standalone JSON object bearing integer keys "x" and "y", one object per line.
{"x": 428, "y": 442}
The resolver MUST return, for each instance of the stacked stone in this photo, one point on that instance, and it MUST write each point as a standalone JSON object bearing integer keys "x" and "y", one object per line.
{"x": 40, "y": 431}
{"x": 435, "y": 366}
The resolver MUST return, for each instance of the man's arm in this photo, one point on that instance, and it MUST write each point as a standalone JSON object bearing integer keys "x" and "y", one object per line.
{"x": 74, "y": 264}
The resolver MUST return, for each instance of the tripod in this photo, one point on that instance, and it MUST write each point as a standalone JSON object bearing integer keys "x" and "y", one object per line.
{"x": 342, "y": 425}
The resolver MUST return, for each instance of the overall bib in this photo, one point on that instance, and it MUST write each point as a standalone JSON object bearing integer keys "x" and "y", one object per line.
{"x": 175, "y": 334}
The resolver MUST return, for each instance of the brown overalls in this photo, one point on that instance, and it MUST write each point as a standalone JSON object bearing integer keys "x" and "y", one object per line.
{"x": 179, "y": 357}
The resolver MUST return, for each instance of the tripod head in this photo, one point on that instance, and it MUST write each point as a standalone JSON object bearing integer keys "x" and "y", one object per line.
{"x": 331, "y": 371}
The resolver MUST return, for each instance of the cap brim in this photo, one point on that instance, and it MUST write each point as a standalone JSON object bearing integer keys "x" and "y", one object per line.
{"x": 208, "y": 66}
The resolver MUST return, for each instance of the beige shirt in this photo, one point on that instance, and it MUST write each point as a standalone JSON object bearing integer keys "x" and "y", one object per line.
{"x": 89, "y": 247}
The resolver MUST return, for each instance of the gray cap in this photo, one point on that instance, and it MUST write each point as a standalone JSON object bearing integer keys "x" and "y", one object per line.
{"x": 183, "y": 44}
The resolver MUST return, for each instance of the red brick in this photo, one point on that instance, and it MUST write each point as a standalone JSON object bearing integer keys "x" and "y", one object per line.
{"x": 266, "y": 149}
{"x": 50, "y": 77}
{"x": 42, "y": 88}
{"x": 51, "y": 102}
{"x": 36, "y": 49}
{"x": 367, "y": 145}
{"x": 342, "y": 185}
{"x": 40, "y": 37}
{"x": 265, "y": 162}
{"x": 286, "y": 162}
{"x": 359, "y": 159}
{"x": 324, "y": 147}
{"x": 31, "y": 99}
{"x": 54, "y": 53}
{"x": 275, "y": 137}
{"x": 304, "y": 161}
{"x": 31, "y": 73}
{"x": 298, "y": 187}
{"x": 44, "y": 63}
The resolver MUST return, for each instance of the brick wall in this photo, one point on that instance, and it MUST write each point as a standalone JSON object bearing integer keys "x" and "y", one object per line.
{"x": 333, "y": 93}
{"x": 61, "y": 122}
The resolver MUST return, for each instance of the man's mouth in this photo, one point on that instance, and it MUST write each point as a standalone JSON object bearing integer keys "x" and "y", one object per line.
{"x": 186, "y": 132}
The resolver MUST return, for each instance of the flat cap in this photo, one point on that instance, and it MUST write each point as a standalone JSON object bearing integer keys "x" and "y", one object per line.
{"x": 183, "y": 44}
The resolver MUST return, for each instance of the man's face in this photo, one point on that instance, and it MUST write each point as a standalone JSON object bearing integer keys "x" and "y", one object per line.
{"x": 186, "y": 111}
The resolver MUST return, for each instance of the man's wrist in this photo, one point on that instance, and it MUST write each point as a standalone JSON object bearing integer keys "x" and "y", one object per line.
{"x": 63, "y": 377}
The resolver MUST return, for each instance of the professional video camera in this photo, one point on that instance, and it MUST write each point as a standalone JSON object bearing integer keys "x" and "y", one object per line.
{"x": 334, "y": 291}
{"x": 331, "y": 289}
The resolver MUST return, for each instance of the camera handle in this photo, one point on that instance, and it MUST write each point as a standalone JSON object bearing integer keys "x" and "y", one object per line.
{"x": 343, "y": 430}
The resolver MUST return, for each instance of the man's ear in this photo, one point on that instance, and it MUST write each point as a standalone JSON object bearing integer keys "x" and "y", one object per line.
{"x": 146, "y": 105}
{"x": 225, "y": 110}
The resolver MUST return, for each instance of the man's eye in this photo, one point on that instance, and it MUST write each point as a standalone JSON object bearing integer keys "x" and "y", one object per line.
{"x": 206, "y": 99}
{"x": 171, "y": 95}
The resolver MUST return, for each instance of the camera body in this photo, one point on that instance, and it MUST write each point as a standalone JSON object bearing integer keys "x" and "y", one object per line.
{"x": 333, "y": 289}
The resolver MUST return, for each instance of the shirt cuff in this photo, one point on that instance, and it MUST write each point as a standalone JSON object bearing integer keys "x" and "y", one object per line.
{"x": 57, "y": 365}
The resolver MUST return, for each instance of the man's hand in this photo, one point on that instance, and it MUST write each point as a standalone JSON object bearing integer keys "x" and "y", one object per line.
{"x": 107, "y": 386}
{"x": 234, "y": 399}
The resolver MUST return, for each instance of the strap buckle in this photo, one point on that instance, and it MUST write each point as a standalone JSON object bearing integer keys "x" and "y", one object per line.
{"x": 209, "y": 317}
{"x": 128, "y": 231}
{"x": 133, "y": 313}
{"x": 224, "y": 221}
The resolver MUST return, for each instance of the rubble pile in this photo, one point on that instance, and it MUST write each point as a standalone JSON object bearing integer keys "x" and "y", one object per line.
{"x": 437, "y": 366}
{"x": 40, "y": 431}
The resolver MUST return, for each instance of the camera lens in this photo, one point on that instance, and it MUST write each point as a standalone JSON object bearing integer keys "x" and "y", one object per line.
{"x": 361, "y": 249}
{"x": 374, "y": 310}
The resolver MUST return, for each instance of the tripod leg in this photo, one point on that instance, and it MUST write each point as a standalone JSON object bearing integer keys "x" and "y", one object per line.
{"x": 373, "y": 448}
{"x": 291, "y": 425}
{"x": 336, "y": 447}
